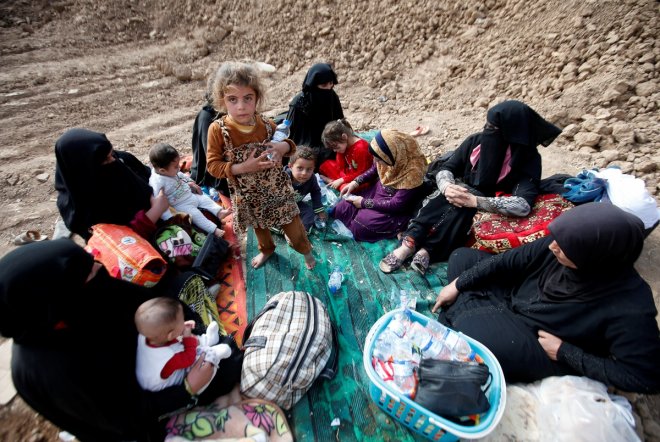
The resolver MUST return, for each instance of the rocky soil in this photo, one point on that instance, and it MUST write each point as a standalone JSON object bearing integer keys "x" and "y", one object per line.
{"x": 137, "y": 70}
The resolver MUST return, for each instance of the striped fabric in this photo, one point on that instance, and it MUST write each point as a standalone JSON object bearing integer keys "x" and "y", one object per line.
{"x": 287, "y": 345}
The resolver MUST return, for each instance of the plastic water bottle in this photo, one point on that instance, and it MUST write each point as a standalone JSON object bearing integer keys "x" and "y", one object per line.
{"x": 319, "y": 223}
{"x": 335, "y": 280}
{"x": 384, "y": 348}
{"x": 402, "y": 365}
{"x": 282, "y": 131}
{"x": 400, "y": 323}
{"x": 404, "y": 300}
{"x": 430, "y": 346}
{"x": 214, "y": 194}
{"x": 460, "y": 348}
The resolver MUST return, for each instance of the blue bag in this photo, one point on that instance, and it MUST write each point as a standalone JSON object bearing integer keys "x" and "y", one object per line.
{"x": 584, "y": 188}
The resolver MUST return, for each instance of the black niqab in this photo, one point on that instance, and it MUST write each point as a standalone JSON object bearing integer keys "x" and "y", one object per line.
{"x": 510, "y": 123}
{"x": 313, "y": 108}
{"x": 90, "y": 192}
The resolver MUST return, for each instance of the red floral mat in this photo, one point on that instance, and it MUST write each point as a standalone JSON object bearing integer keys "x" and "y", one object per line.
{"x": 231, "y": 297}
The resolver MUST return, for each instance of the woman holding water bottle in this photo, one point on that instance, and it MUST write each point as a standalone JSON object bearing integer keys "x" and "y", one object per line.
{"x": 394, "y": 189}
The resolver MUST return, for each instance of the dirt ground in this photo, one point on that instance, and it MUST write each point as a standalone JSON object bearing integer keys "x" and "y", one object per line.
{"x": 137, "y": 71}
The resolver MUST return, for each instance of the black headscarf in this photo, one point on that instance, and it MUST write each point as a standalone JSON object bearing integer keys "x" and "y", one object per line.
{"x": 73, "y": 358}
{"x": 313, "y": 108}
{"x": 90, "y": 192}
{"x": 603, "y": 242}
{"x": 45, "y": 299}
{"x": 510, "y": 123}
{"x": 39, "y": 284}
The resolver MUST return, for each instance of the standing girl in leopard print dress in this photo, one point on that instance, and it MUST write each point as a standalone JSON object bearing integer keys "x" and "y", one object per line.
{"x": 239, "y": 149}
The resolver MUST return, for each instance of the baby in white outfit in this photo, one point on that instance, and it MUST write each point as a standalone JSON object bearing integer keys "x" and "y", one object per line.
{"x": 181, "y": 191}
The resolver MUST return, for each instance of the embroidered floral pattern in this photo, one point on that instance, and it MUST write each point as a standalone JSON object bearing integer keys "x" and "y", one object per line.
{"x": 261, "y": 415}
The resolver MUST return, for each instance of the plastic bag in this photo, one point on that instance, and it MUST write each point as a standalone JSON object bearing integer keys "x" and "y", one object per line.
{"x": 331, "y": 197}
{"x": 630, "y": 194}
{"x": 580, "y": 409}
{"x": 565, "y": 408}
{"x": 341, "y": 229}
{"x": 328, "y": 196}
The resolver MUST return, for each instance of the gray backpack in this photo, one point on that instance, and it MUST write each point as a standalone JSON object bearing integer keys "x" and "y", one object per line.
{"x": 288, "y": 345}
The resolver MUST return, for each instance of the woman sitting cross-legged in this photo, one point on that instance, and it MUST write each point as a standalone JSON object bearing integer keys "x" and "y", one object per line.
{"x": 383, "y": 209}
{"x": 497, "y": 170}
{"x": 569, "y": 303}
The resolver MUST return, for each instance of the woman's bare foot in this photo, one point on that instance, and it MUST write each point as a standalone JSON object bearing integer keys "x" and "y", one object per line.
{"x": 260, "y": 259}
{"x": 224, "y": 213}
{"x": 310, "y": 262}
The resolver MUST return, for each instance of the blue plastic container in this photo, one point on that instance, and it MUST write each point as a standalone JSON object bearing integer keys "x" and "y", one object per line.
{"x": 417, "y": 418}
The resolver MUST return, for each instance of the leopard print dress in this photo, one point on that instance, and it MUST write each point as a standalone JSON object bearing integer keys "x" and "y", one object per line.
{"x": 261, "y": 199}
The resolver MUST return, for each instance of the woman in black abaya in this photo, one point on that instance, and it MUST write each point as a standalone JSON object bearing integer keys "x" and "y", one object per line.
{"x": 73, "y": 357}
{"x": 314, "y": 107}
{"x": 569, "y": 303}
{"x": 97, "y": 184}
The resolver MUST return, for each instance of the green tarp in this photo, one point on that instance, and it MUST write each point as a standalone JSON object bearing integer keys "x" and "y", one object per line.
{"x": 365, "y": 295}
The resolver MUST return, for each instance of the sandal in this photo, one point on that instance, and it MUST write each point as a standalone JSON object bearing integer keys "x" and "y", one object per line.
{"x": 390, "y": 263}
{"x": 420, "y": 263}
{"x": 29, "y": 237}
{"x": 419, "y": 131}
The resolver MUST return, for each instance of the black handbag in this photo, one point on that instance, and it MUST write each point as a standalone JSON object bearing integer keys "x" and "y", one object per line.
{"x": 452, "y": 388}
{"x": 213, "y": 253}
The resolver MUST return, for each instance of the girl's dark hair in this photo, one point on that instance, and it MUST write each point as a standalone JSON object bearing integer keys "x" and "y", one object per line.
{"x": 333, "y": 131}
{"x": 162, "y": 155}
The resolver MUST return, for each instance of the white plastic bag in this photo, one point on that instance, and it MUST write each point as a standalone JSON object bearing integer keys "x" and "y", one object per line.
{"x": 580, "y": 409}
{"x": 630, "y": 194}
{"x": 565, "y": 409}
{"x": 328, "y": 196}
{"x": 341, "y": 229}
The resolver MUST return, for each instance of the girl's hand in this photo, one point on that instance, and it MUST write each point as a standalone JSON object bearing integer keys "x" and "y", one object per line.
{"x": 550, "y": 344}
{"x": 277, "y": 150}
{"x": 357, "y": 202}
{"x": 446, "y": 296}
{"x": 459, "y": 196}
{"x": 348, "y": 188}
{"x": 200, "y": 374}
{"x": 195, "y": 188}
{"x": 336, "y": 183}
{"x": 254, "y": 163}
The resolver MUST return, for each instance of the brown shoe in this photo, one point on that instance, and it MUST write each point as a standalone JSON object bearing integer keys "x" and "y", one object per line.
{"x": 390, "y": 263}
{"x": 420, "y": 262}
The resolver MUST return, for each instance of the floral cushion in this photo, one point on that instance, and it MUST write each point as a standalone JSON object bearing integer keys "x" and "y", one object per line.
{"x": 496, "y": 233}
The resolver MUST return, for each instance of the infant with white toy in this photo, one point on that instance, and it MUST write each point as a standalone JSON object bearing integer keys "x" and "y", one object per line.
{"x": 167, "y": 348}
